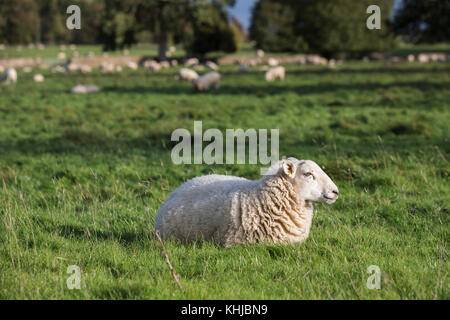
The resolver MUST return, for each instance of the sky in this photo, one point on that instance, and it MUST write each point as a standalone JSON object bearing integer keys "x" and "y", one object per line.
{"x": 242, "y": 11}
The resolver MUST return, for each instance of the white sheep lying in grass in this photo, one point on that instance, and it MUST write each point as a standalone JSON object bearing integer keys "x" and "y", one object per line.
{"x": 275, "y": 73}
{"x": 207, "y": 80}
{"x": 186, "y": 74}
{"x": 230, "y": 210}
{"x": 10, "y": 75}
{"x": 38, "y": 78}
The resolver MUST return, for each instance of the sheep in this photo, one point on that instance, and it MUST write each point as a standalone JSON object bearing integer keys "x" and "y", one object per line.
{"x": 132, "y": 65}
{"x": 164, "y": 64}
{"x": 411, "y": 58}
{"x": 10, "y": 75}
{"x": 191, "y": 62}
{"x": 81, "y": 88}
{"x": 2, "y": 68}
{"x": 152, "y": 65}
{"x": 272, "y": 62}
{"x": 174, "y": 62}
{"x": 107, "y": 67}
{"x": 85, "y": 68}
{"x": 231, "y": 210}
{"x": 38, "y": 78}
{"x": 423, "y": 58}
{"x": 61, "y": 56}
{"x": 259, "y": 53}
{"x": 207, "y": 80}
{"x": 187, "y": 74}
{"x": 275, "y": 73}
{"x": 212, "y": 65}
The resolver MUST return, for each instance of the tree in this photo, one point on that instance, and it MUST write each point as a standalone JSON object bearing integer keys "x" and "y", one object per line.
{"x": 210, "y": 31}
{"x": 186, "y": 20}
{"x": 321, "y": 26}
{"x": 19, "y": 20}
{"x": 423, "y": 20}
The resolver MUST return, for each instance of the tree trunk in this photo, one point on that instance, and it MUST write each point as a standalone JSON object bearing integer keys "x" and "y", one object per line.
{"x": 162, "y": 40}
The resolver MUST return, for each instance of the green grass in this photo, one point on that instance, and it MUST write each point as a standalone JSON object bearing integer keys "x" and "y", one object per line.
{"x": 51, "y": 51}
{"x": 82, "y": 177}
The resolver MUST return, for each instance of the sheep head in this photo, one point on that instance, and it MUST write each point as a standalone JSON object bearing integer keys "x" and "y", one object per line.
{"x": 310, "y": 181}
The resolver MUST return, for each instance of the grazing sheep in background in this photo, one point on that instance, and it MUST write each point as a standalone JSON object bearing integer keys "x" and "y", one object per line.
{"x": 132, "y": 65}
{"x": 10, "y": 75}
{"x": 153, "y": 65}
{"x": 85, "y": 69}
{"x": 411, "y": 58}
{"x": 191, "y": 62}
{"x": 423, "y": 58}
{"x": 106, "y": 67}
{"x": 259, "y": 53}
{"x": 81, "y": 88}
{"x": 164, "y": 64}
{"x": 61, "y": 55}
{"x": 316, "y": 60}
{"x": 187, "y": 74}
{"x": 275, "y": 73}
{"x": 118, "y": 69}
{"x": 174, "y": 62}
{"x": 331, "y": 63}
{"x": 272, "y": 62}
{"x": 73, "y": 67}
{"x": 59, "y": 69}
{"x": 2, "y": 69}
{"x": 231, "y": 210}
{"x": 253, "y": 62}
{"x": 207, "y": 80}
{"x": 38, "y": 78}
{"x": 212, "y": 65}
{"x": 301, "y": 60}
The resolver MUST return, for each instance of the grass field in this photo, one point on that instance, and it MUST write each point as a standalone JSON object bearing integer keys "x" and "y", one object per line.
{"x": 82, "y": 177}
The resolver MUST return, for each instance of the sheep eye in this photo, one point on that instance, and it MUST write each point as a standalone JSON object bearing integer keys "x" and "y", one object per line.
{"x": 308, "y": 174}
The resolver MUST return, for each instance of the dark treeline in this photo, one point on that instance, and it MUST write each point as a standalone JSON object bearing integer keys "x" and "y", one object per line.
{"x": 328, "y": 27}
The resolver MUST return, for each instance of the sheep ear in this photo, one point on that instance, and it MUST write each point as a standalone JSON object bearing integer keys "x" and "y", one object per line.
{"x": 289, "y": 168}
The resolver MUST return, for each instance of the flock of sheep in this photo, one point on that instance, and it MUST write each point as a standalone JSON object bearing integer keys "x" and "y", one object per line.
{"x": 271, "y": 66}
{"x": 189, "y": 71}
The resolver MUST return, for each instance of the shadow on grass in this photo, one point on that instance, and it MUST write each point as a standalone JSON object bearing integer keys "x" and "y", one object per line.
{"x": 278, "y": 88}
{"x": 71, "y": 231}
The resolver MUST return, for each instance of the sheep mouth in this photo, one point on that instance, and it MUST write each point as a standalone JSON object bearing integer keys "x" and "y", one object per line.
{"x": 330, "y": 199}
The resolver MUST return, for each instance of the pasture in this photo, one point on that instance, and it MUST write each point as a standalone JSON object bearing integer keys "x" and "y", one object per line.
{"x": 82, "y": 177}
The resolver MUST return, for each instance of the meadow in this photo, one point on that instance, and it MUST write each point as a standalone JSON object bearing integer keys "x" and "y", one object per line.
{"x": 82, "y": 177}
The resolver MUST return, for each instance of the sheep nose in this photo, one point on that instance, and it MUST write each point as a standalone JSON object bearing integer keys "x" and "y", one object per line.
{"x": 336, "y": 192}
